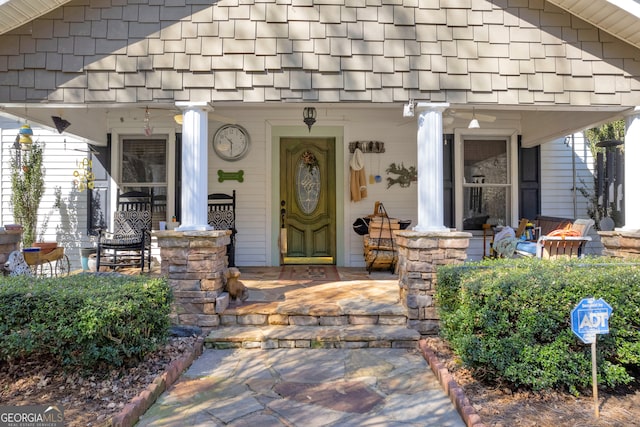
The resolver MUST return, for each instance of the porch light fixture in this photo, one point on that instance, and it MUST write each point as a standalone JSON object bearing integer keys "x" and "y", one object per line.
{"x": 178, "y": 118}
{"x": 309, "y": 116}
{"x": 60, "y": 123}
{"x": 408, "y": 110}
{"x": 473, "y": 124}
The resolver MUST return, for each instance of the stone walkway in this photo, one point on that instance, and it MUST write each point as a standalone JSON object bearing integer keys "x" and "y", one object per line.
{"x": 306, "y": 388}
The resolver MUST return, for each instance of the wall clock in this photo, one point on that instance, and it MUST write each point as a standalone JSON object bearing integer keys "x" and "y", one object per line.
{"x": 231, "y": 142}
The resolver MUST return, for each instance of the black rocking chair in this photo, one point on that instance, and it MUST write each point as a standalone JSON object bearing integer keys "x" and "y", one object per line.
{"x": 221, "y": 215}
{"x": 129, "y": 244}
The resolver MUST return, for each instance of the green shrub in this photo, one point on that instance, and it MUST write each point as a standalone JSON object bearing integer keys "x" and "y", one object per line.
{"x": 87, "y": 321}
{"x": 510, "y": 320}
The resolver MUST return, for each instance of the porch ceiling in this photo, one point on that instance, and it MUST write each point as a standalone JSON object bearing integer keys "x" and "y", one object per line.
{"x": 14, "y": 13}
{"x": 536, "y": 125}
{"x": 620, "y": 18}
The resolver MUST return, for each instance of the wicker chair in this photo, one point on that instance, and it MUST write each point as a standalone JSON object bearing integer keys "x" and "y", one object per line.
{"x": 129, "y": 244}
{"x": 567, "y": 245}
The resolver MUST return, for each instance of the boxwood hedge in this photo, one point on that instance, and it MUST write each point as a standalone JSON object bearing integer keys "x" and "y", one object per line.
{"x": 510, "y": 320}
{"x": 85, "y": 320}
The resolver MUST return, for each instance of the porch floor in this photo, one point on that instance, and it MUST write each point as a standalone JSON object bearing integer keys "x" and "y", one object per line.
{"x": 354, "y": 290}
{"x": 347, "y": 308}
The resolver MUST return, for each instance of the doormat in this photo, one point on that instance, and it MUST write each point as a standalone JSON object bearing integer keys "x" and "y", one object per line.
{"x": 327, "y": 273}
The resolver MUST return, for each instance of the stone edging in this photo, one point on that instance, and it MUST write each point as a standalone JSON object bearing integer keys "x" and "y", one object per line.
{"x": 131, "y": 413}
{"x": 451, "y": 387}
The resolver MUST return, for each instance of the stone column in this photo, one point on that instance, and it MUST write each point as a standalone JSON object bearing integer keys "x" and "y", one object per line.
{"x": 419, "y": 254}
{"x": 194, "y": 167}
{"x": 621, "y": 244}
{"x": 430, "y": 169}
{"x": 195, "y": 264}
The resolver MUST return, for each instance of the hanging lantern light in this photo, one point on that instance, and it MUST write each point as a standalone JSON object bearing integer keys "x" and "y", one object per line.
{"x": 24, "y": 137}
{"x": 309, "y": 116}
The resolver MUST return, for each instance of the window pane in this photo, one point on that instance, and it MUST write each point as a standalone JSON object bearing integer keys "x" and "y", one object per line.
{"x": 144, "y": 161}
{"x": 307, "y": 186}
{"x": 485, "y": 205}
{"x": 485, "y": 162}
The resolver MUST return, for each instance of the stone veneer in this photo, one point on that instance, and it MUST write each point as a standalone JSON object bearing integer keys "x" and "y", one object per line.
{"x": 9, "y": 242}
{"x": 195, "y": 263}
{"x": 621, "y": 244}
{"x": 419, "y": 255}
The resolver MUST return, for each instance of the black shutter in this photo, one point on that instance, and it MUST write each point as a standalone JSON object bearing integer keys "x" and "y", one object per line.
{"x": 98, "y": 214}
{"x": 178, "y": 189}
{"x": 447, "y": 176}
{"x": 529, "y": 172}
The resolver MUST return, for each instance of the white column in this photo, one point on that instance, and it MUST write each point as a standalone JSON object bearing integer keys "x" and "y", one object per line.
{"x": 430, "y": 169}
{"x": 631, "y": 194}
{"x": 194, "y": 168}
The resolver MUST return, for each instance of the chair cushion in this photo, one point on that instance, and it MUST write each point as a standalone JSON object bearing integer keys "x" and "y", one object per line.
{"x": 527, "y": 247}
{"x": 112, "y": 239}
{"x": 221, "y": 219}
{"x": 129, "y": 228}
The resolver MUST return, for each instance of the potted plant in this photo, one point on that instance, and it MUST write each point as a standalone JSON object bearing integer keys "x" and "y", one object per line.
{"x": 27, "y": 188}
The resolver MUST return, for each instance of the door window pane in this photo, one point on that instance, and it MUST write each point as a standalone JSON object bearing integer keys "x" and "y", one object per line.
{"x": 144, "y": 161}
{"x": 307, "y": 186}
{"x": 144, "y": 168}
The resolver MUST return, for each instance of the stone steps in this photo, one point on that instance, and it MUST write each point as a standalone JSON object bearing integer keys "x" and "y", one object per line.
{"x": 313, "y": 337}
{"x": 312, "y": 319}
{"x": 356, "y": 313}
{"x": 344, "y": 323}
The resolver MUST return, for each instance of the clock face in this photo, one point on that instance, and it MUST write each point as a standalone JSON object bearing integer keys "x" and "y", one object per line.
{"x": 231, "y": 142}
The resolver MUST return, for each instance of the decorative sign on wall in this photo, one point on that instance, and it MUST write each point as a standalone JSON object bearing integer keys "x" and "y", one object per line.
{"x": 84, "y": 176}
{"x": 230, "y": 176}
{"x": 367, "y": 146}
{"x": 405, "y": 176}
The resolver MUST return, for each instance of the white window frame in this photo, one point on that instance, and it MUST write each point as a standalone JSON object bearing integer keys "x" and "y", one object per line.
{"x": 117, "y": 136}
{"x": 508, "y": 135}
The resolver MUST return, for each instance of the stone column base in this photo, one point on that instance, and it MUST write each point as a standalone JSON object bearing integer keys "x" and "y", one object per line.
{"x": 419, "y": 254}
{"x": 621, "y": 244}
{"x": 195, "y": 263}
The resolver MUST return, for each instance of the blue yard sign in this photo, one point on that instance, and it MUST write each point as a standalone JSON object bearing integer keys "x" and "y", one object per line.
{"x": 590, "y": 318}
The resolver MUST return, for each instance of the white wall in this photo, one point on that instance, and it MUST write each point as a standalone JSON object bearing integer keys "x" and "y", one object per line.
{"x": 559, "y": 170}
{"x": 256, "y": 195}
{"x": 62, "y": 154}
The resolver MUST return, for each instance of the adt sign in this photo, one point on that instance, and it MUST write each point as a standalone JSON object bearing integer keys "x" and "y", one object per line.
{"x": 590, "y": 317}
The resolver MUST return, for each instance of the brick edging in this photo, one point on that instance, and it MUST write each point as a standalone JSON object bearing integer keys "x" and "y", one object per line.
{"x": 451, "y": 387}
{"x": 131, "y": 413}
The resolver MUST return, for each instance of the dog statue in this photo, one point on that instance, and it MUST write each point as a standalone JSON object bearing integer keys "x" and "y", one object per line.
{"x": 237, "y": 290}
{"x": 16, "y": 265}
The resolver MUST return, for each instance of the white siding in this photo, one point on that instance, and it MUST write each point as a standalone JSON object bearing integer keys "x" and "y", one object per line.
{"x": 257, "y": 194}
{"x": 559, "y": 170}
{"x": 62, "y": 154}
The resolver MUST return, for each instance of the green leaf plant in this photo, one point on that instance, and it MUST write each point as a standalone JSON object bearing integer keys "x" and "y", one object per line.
{"x": 27, "y": 188}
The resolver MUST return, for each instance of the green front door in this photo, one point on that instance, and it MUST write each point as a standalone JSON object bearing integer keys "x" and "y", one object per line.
{"x": 307, "y": 200}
